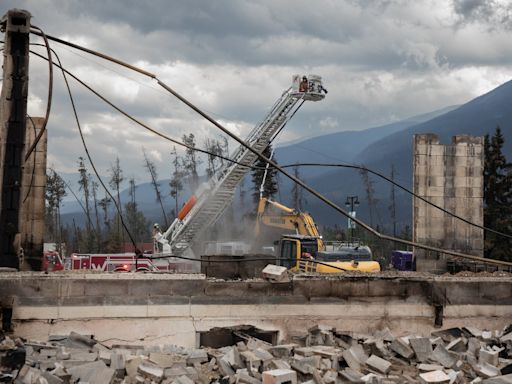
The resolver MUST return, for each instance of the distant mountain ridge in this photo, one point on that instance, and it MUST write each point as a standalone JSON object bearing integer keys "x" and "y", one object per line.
{"x": 378, "y": 149}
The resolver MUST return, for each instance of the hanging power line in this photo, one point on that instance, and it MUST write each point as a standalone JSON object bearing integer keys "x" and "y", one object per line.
{"x": 280, "y": 169}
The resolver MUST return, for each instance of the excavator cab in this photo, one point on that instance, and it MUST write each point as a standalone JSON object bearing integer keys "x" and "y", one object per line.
{"x": 297, "y": 249}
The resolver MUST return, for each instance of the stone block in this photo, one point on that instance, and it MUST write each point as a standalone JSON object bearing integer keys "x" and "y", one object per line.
{"x": 150, "y": 371}
{"x": 378, "y": 364}
{"x": 279, "y": 364}
{"x": 132, "y": 366}
{"x": 486, "y": 370}
{"x": 283, "y": 350}
{"x": 443, "y": 357}
{"x": 422, "y": 348}
{"x": 438, "y": 377}
{"x": 401, "y": 348}
{"x": 488, "y": 356}
{"x": 351, "y": 375}
{"x": 117, "y": 361}
{"x": 457, "y": 345}
{"x": 165, "y": 360}
{"x": 96, "y": 372}
{"x": 430, "y": 367}
{"x": 197, "y": 356}
{"x": 279, "y": 376}
{"x": 275, "y": 273}
{"x": 504, "y": 379}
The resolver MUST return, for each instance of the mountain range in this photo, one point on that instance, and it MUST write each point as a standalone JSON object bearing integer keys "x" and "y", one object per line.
{"x": 377, "y": 148}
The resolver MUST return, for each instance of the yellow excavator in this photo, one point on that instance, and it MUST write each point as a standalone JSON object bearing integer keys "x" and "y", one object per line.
{"x": 304, "y": 250}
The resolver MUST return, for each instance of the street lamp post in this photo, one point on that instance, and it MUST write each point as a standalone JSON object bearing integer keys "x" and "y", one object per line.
{"x": 352, "y": 202}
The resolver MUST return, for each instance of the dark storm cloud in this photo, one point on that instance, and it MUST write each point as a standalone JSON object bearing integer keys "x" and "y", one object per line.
{"x": 382, "y": 60}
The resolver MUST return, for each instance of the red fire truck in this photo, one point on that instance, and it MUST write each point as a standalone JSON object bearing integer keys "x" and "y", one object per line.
{"x": 113, "y": 262}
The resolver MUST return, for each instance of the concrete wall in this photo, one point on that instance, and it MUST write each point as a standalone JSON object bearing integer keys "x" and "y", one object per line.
{"x": 450, "y": 176}
{"x": 163, "y": 308}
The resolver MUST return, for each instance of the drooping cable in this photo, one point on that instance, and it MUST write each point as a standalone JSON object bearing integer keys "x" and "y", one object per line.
{"x": 86, "y": 149}
{"x": 137, "y": 121}
{"x": 50, "y": 94}
{"x": 281, "y": 170}
{"x": 363, "y": 168}
{"x": 34, "y": 163}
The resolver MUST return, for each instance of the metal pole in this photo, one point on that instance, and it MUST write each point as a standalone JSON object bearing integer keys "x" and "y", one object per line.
{"x": 13, "y": 120}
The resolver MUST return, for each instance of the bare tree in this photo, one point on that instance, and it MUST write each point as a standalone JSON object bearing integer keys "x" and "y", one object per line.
{"x": 116, "y": 178}
{"x": 370, "y": 195}
{"x": 94, "y": 188}
{"x": 104, "y": 204}
{"x": 150, "y": 166}
{"x": 191, "y": 161}
{"x": 176, "y": 182}
{"x": 297, "y": 193}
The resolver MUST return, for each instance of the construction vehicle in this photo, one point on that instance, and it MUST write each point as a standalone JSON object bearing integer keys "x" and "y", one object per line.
{"x": 300, "y": 250}
{"x": 206, "y": 206}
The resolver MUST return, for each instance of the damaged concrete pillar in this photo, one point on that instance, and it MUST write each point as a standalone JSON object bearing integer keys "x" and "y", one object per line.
{"x": 13, "y": 117}
{"x": 450, "y": 176}
{"x": 33, "y": 198}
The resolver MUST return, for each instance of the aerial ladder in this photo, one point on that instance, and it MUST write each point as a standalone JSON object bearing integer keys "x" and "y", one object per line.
{"x": 206, "y": 206}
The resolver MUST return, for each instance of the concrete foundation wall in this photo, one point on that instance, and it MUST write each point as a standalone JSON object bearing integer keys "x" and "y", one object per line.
{"x": 450, "y": 176}
{"x": 173, "y": 308}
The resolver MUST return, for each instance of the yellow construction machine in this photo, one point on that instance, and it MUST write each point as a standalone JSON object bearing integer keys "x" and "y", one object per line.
{"x": 304, "y": 250}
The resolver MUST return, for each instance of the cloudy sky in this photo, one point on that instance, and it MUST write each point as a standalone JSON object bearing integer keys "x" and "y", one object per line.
{"x": 381, "y": 60}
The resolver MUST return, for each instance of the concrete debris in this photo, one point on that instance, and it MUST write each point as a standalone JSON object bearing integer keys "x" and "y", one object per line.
{"x": 275, "y": 273}
{"x": 323, "y": 355}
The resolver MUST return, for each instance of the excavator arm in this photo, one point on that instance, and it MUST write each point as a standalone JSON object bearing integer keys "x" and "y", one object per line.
{"x": 281, "y": 216}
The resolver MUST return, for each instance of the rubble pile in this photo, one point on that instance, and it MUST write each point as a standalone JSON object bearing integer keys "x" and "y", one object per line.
{"x": 324, "y": 355}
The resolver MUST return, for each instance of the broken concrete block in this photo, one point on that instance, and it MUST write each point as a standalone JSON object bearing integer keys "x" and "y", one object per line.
{"x": 233, "y": 358}
{"x": 279, "y": 364}
{"x": 150, "y": 370}
{"x": 51, "y": 379}
{"x": 243, "y": 377}
{"x": 132, "y": 366}
{"x": 401, "y": 348}
{"x": 275, "y": 273}
{"x": 486, "y": 370}
{"x": 284, "y": 350}
{"x": 443, "y": 357}
{"x": 279, "y": 376}
{"x": 197, "y": 356}
{"x": 457, "y": 345}
{"x": 422, "y": 348}
{"x": 352, "y": 375}
{"x": 252, "y": 361}
{"x": 224, "y": 368}
{"x": 488, "y": 356}
{"x": 117, "y": 361}
{"x": 330, "y": 376}
{"x": 351, "y": 360}
{"x": 378, "y": 364}
{"x": 165, "y": 360}
{"x": 505, "y": 379}
{"x": 307, "y": 364}
{"x": 83, "y": 356}
{"x": 430, "y": 367}
{"x": 95, "y": 372}
{"x": 183, "y": 380}
{"x": 434, "y": 377}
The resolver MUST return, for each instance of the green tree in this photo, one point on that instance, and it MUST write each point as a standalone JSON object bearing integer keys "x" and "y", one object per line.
{"x": 497, "y": 197}
{"x": 55, "y": 192}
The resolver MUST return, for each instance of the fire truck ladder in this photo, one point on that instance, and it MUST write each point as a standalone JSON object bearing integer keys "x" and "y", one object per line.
{"x": 215, "y": 196}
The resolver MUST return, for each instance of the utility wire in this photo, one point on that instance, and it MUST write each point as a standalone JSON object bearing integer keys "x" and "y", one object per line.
{"x": 363, "y": 168}
{"x": 34, "y": 163}
{"x": 137, "y": 251}
{"x": 255, "y": 259}
{"x": 139, "y": 122}
{"x": 281, "y": 170}
{"x": 50, "y": 94}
